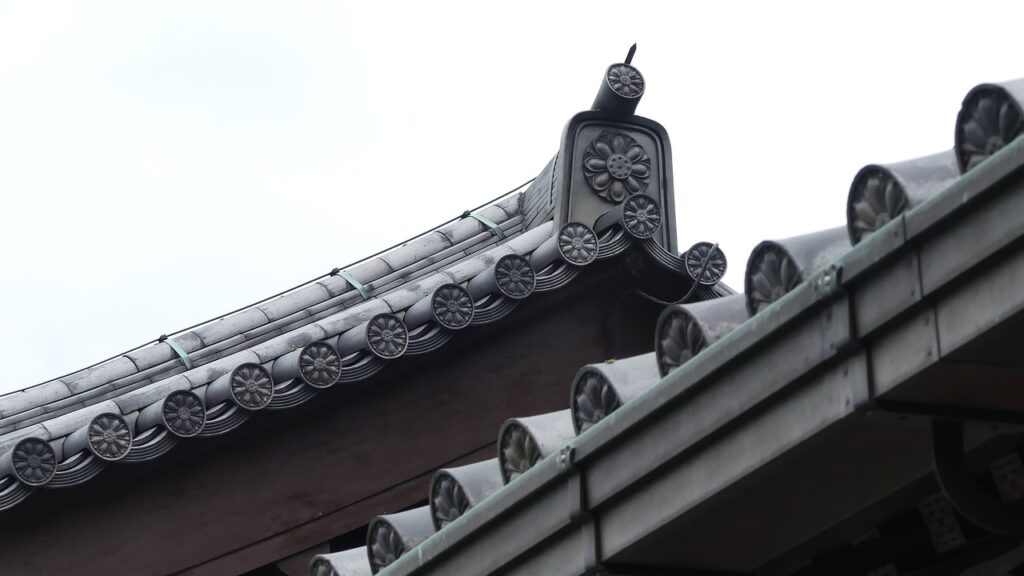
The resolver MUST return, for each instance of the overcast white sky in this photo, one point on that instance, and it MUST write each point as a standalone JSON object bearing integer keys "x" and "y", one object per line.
{"x": 163, "y": 164}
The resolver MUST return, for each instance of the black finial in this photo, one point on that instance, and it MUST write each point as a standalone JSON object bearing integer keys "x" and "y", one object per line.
{"x": 629, "y": 55}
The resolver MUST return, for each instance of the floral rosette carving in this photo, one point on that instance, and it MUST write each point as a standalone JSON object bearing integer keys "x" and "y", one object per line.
{"x": 626, "y": 80}
{"x": 251, "y": 386}
{"x": 184, "y": 414}
{"x": 387, "y": 336}
{"x": 616, "y": 166}
{"x": 385, "y": 546}
{"x": 514, "y": 276}
{"x": 771, "y": 275}
{"x": 577, "y": 243}
{"x": 679, "y": 340}
{"x": 449, "y": 500}
{"x": 989, "y": 120}
{"x": 705, "y": 262}
{"x": 34, "y": 461}
{"x": 110, "y": 437}
{"x": 519, "y": 452}
{"x": 319, "y": 365}
{"x": 452, "y": 306}
{"x": 641, "y": 216}
{"x": 594, "y": 400}
{"x": 876, "y": 200}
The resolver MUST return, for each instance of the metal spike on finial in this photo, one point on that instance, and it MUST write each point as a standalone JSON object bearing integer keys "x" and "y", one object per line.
{"x": 629, "y": 55}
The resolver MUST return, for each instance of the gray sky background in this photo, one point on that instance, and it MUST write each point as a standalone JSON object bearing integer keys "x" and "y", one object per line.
{"x": 161, "y": 164}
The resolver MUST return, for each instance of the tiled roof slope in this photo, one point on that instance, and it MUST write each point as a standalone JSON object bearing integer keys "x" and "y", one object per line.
{"x": 347, "y": 325}
{"x": 858, "y": 317}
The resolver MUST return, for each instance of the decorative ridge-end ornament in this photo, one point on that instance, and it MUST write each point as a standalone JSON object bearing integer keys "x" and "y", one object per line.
{"x": 621, "y": 88}
{"x": 514, "y": 276}
{"x": 616, "y": 166}
{"x": 577, "y": 243}
{"x": 33, "y": 461}
{"x": 989, "y": 119}
{"x": 452, "y": 306}
{"x": 110, "y": 437}
{"x": 594, "y": 398}
{"x": 319, "y": 365}
{"x": 386, "y": 336}
{"x": 183, "y": 413}
{"x": 608, "y": 155}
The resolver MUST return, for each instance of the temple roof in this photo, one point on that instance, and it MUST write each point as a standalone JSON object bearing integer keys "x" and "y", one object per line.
{"x": 347, "y": 325}
{"x": 848, "y": 367}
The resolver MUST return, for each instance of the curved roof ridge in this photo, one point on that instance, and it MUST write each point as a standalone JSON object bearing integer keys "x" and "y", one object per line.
{"x": 158, "y": 360}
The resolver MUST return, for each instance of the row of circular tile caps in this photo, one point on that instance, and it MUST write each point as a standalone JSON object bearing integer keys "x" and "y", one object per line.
{"x": 597, "y": 391}
{"x": 682, "y": 332}
{"x": 990, "y": 118}
{"x": 353, "y": 355}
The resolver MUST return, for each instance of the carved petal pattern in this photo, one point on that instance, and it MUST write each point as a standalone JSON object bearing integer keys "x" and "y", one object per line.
{"x": 679, "y": 339}
{"x": 616, "y": 166}
{"x": 773, "y": 273}
{"x": 110, "y": 437}
{"x": 595, "y": 399}
{"x": 449, "y": 500}
{"x": 320, "y": 365}
{"x": 385, "y": 546}
{"x": 626, "y": 80}
{"x": 387, "y": 336}
{"x": 252, "y": 386}
{"x": 715, "y": 268}
{"x": 641, "y": 216}
{"x": 453, "y": 306}
{"x": 34, "y": 461}
{"x": 519, "y": 452}
{"x": 184, "y": 413}
{"x": 989, "y": 120}
{"x": 577, "y": 243}
{"x": 877, "y": 198}
{"x": 515, "y": 277}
